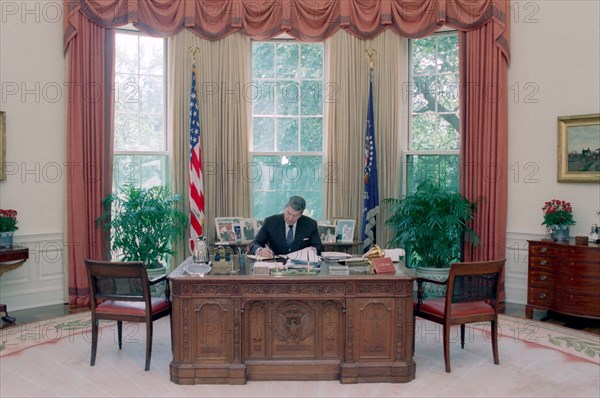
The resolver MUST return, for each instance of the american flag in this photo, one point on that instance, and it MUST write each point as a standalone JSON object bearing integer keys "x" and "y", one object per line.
{"x": 196, "y": 182}
{"x": 371, "y": 190}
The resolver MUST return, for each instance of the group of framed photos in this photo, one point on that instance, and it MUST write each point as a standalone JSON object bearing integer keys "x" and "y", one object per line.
{"x": 341, "y": 230}
{"x": 236, "y": 229}
{"x": 243, "y": 230}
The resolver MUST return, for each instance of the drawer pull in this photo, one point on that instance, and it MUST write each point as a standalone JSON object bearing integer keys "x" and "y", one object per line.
{"x": 543, "y": 262}
{"x": 542, "y": 295}
{"x": 544, "y": 249}
{"x": 544, "y": 277}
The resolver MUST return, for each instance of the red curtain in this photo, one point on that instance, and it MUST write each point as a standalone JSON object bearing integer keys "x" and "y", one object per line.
{"x": 306, "y": 20}
{"x": 89, "y": 146}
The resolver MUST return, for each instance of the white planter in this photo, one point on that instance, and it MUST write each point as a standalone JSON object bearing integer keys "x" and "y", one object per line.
{"x": 153, "y": 273}
{"x": 438, "y": 274}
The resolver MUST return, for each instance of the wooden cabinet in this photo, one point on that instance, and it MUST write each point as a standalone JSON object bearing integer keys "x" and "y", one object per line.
{"x": 565, "y": 278}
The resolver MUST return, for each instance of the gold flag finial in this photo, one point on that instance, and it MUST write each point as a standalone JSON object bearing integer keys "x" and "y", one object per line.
{"x": 370, "y": 54}
{"x": 194, "y": 52}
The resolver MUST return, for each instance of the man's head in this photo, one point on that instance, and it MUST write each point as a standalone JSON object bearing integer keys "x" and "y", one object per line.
{"x": 293, "y": 209}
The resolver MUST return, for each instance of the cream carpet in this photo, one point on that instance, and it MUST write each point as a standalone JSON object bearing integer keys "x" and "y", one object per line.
{"x": 51, "y": 359}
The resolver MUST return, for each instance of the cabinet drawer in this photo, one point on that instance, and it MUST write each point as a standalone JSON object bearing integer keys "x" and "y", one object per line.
{"x": 541, "y": 296}
{"x": 541, "y": 278}
{"x": 542, "y": 250}
{"x": 548, "y": 264}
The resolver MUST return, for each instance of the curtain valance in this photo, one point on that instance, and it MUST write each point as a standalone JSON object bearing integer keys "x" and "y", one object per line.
{"x": 306, "y": 20}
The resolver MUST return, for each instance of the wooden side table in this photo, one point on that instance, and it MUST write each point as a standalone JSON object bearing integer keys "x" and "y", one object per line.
{"x": 11, "y": 258}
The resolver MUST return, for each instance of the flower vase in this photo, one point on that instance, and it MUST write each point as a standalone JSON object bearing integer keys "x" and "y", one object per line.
{"x": 560, "y": 233}
{"x": 6, "y": 239}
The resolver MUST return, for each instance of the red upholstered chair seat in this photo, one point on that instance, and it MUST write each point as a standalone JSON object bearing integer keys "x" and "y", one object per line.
{"x": 437, "y": 306}
{"x": 132, "y": 307}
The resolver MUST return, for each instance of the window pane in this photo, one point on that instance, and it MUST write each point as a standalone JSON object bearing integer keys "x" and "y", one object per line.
{"x": 288, "y": 96}
{"x": 311, "y": 61}
{"x": 441, "y": 169}
{"x": 264, "y": 134}
{"x": 151, "y": 94}
{"x": 140, "y": 170}
{"x": 263, "y": 60}
{"x": 424, "y": 56}
{"x": 448, "y": 128}
{"x": 448, "y": 93}
{"x": 312, "y": 97}
{"x": 312, "y": 134}
{"x": 126, "y": 59}
{"x": 263, "y": 97}
{"x": 287, "y": 134}
{"x": 424, "y": 131}
{"x": 127, "y": 94}
{"x": 287, "y": 60}
{"x": 151, "y": 55}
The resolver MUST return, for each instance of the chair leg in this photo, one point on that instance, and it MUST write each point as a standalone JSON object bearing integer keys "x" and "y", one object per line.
{"x": 120, "y": 333}
{"x": 148, "y": 344}
{"x": 447, "y": 347}
{"x": 94, "y": 341}
{"x": 495, "y": 342}
{"x": 462, "y": 336}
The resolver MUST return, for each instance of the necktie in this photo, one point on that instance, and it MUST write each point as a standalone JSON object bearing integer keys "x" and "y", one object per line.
{"x": 290, "y": 236}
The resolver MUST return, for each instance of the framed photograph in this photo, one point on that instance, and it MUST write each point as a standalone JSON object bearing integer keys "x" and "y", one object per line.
{"x": 579, "y": 148}
{"x": 327, "y": 233}
{"x": 345, "y": 230}
{"x": 249, "y": 229}
{"x": 228, "y": 229}
{"x": 2, "y": 145}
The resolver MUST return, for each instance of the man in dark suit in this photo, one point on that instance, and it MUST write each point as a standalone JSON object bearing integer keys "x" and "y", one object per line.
{"x": 287, "y": 232}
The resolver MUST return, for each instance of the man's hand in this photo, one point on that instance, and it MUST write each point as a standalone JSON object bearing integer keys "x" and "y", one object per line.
{"x": 264, "y": 253}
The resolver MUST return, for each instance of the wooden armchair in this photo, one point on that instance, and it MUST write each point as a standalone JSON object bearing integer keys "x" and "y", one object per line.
{"x": 120, "y": 291}
{"x": 471, "y": 292}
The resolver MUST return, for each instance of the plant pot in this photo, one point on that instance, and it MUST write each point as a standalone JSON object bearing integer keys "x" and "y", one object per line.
{"x": 153, "y": 273}
{"x": 560, "y": 233}
{"x": 438, "y": 274}
{"x": 6, "y": 239}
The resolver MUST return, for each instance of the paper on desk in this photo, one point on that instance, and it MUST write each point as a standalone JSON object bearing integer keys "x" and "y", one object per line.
{"x": 308, "y": 254}
{"x": 275, "y": 257}
{"x": 394, "y": 254}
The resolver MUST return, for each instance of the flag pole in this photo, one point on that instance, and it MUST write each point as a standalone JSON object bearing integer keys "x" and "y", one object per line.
{"x": 196, "y": 183}
{"x": 370, "y": 181}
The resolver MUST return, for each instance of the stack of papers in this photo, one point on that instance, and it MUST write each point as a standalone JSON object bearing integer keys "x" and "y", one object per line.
{"x": 304, "y": 256}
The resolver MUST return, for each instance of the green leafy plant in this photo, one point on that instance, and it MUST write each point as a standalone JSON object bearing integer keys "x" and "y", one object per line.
{"x": 142, "y": 223}
{"x": 430, "y": 224}
{"x": 8, "y": 220}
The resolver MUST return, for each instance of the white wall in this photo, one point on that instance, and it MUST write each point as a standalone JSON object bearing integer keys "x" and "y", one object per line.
{"x": 32, "y": 93}
{"x": 554, "y": 71}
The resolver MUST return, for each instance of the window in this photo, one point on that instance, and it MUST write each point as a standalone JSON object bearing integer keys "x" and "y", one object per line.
{"x": 287, "y": 125}
{"x": 434, "y": 133}
{"x": 140, "y": 142}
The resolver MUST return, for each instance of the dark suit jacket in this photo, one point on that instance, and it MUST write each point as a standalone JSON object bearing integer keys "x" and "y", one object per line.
{"x": 273, "y": 232}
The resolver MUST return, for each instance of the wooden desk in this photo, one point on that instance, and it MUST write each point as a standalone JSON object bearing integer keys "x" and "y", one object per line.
{"x": 11, "y": 258}
{"x": 228, "y": 329}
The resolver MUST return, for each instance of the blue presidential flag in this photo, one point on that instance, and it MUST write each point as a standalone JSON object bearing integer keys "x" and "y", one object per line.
{"x": 371, "y": 191}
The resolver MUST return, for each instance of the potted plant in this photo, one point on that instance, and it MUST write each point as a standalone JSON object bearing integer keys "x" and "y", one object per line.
{"x": 142, "y": 223}
{"x": 8, "y": 225}
{"x": 558, "y": 217}
{"x": 430, "y": 225}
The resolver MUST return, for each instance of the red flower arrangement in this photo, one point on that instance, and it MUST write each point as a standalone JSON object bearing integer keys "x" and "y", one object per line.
{"x": 558, "y": 212}
{"x": 8, "y": 220}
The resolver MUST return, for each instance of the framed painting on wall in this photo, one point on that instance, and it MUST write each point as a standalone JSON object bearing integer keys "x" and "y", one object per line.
{"x": 579, "y": 148}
